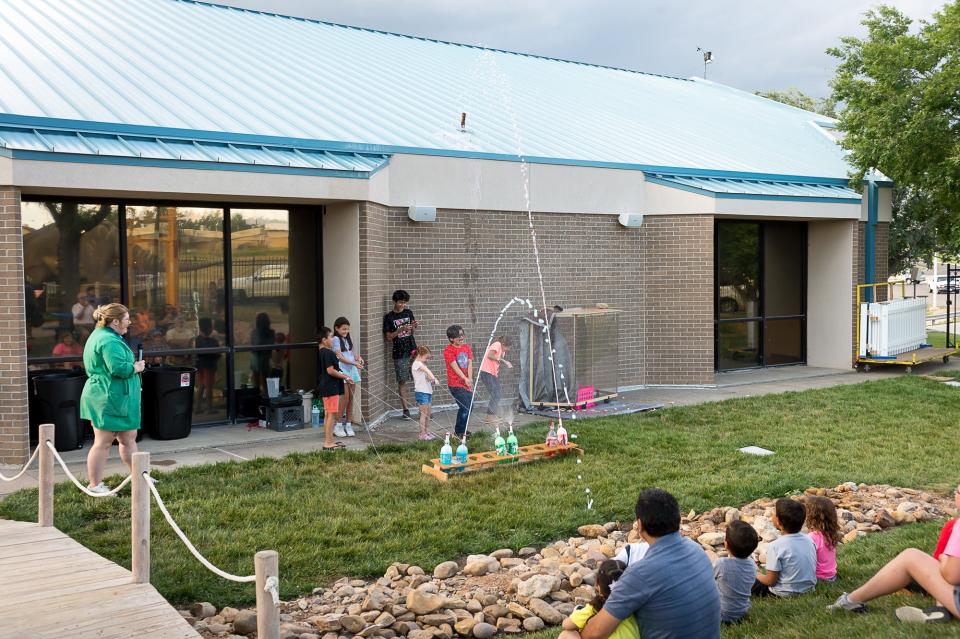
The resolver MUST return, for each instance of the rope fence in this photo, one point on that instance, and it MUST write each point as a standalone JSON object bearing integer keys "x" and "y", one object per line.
{"x": 142, "y": 492}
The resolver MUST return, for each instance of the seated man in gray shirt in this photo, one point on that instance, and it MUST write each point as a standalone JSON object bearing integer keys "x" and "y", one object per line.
{"x": 671, "y": 591}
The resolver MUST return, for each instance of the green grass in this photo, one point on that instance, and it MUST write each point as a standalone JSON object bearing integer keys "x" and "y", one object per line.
{"x": 355, "y": 513}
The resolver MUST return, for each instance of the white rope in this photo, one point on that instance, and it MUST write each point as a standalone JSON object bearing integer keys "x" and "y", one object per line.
{"x": 272, "y": 586}
{"x": 22, "y": 470}
{"x": 151, "y": 482}
{"x": 83, "y": 488}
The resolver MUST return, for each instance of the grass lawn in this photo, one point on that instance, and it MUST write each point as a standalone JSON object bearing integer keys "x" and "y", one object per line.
{"x": 354, "y": 513}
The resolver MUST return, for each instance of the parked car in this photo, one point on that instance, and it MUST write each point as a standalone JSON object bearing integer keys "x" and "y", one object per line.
{"x": 270, "y": 280}
{"x": 953, "y": 286}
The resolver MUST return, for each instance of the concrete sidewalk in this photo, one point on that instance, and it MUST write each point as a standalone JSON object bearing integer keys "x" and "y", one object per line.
{"x": 238, "y": 442}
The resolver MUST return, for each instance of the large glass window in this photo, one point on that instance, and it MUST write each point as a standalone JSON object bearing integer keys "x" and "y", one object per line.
{"x": 71, "y": 264}
{"x": 760, "y": 293}
{"x": 175, "y": 279}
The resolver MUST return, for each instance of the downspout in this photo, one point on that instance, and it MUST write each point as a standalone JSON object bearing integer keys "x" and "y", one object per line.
{"x": 870, "y": 239}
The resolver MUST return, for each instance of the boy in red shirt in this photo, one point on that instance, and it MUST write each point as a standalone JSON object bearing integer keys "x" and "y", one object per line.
{"x": 459, "y": 359}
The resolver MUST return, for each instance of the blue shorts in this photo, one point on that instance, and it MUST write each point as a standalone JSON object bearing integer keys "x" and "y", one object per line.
{"x": 423, "y": 398}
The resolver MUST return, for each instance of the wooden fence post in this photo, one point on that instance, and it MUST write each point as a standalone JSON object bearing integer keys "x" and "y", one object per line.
{"x": 140, "y": 519}
{"x": 45, "y": 507}
{"x": 266, "y": 564}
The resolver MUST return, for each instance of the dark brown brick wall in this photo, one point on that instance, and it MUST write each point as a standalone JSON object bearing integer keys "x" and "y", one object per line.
{"x": 465, "y": 267}
{"x": 14, "y": 444}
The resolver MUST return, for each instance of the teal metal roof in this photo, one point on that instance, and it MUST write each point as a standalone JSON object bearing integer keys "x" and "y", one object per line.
{"x": 188, "y": 69}
{"x": 92, "y": 146}
{"x": 758, "y": 189}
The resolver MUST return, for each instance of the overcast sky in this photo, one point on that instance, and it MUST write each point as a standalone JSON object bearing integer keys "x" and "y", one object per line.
{"x": 758, "y": 44}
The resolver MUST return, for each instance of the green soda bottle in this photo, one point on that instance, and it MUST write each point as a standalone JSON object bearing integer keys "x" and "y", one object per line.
{"x": 499, "y": 444}
{"x": 513, "y": 446}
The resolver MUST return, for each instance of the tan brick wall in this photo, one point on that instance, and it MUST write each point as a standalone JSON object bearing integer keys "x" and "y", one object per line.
{"x": 464, "y": 268}
{"x": 14, "y": 444}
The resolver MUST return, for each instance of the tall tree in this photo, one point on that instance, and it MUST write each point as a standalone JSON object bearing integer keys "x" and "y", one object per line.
{"x": 900, "y": 91}
{"x": 797, "y": 98}
{"x": 72, "y": 221}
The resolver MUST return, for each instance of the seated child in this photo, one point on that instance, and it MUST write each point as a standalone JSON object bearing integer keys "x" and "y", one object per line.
{"x": 735, "y": 573}
{"x": 633, "y": 552}
{"x": 608, "y": 572}
{"x": 791, "y": 559}
{"x": 825, "y": 534}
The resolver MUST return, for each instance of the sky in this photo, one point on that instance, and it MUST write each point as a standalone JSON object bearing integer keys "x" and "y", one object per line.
{"x": 757, "y": 44}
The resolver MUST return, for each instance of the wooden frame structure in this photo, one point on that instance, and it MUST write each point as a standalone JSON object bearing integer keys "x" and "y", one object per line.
{"x": 490, "y": 459}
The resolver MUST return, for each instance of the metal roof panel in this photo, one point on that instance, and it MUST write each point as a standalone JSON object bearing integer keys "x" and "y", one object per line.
{"x": 204, "y": 67}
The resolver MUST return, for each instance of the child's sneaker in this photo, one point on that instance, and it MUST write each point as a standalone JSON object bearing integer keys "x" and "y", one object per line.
{"x": 844, "y": 602}
{"x": 347, "y": 426}
{"x": 338, "y": 430}
{"x": 936, "y": 614}
{"x": 406, "y": 413}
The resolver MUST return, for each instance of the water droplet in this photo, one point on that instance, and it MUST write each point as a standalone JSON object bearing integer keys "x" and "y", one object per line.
{"x": 579, "y": 476}
{"x": 579, "y": 461}
{"x": 586, "y": 490}
{"x": 589, "y": 504}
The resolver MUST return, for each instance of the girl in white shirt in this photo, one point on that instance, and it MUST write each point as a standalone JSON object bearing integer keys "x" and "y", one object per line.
{"x": 423, "y": 381}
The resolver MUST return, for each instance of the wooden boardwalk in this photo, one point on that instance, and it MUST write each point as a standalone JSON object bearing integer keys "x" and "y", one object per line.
{"x": 52, "y": 587}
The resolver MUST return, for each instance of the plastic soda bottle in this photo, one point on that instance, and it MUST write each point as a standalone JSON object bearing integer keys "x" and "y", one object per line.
{"x": 314, "y": 416}
{"x": 562, "y": 438}
{"x": 513, "y": 446}
{"x": 462, "y": 450}
{"x": 446, "y": 453}
{"x": 499, "y": 444}
{"x": 551, "y": 437}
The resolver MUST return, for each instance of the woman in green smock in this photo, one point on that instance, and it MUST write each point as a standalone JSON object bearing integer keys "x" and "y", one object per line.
{"x": 111, "y": 396}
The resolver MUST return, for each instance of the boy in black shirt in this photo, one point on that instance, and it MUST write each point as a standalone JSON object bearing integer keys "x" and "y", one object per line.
{"x": 398, "y": 327}
{"x": 330, "y": 387}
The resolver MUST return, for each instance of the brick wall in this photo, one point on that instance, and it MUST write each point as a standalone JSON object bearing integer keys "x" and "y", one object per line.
{"x": 466, "y": 266}
{"x": 14, "y": 444}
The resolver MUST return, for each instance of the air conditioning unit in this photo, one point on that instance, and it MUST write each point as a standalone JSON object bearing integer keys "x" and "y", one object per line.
{"x": 422, "y": 213}
{"x": 630, "y": 220}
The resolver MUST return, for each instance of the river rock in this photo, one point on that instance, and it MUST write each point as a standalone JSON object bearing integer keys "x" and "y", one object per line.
{"x": 527, "y": 551}
{"x": 438, "y": 619}
{"x": 377, "y": 599}
{"x": 353, "y": 623}
{"x": 482, "y": 630}
{"x": 420, "y": 634}
{"x": 326, "y": 623}
{"x": 538, "y": 586}
{"x": 203, "y": 609}
{"x": 493, "y": 564}
{"x": 465, "y": 626}
{"x": 385, "y": 620}
{"x": 477, "y": 568}
{"x": 712, "y": 538}
{"x": 532, "y": 624}
{"x": 518, "y": 611}
{"x": 592, "y": 531}
{"x": 545, "y": 611}
{"x": 446, "y": 570}
{"x": 422, "y": 602}
{"x": 245, "y": 622}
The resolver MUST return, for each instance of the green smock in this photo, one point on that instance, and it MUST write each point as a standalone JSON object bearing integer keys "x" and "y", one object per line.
{"x": 111, "y": 396}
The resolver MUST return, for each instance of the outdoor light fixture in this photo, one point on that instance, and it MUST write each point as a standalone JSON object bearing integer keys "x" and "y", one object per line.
{"x": 422, "y": 213}
{"x": 630, "y": 220}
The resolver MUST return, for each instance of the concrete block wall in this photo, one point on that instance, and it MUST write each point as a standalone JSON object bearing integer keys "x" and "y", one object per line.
{"x": 465, "y": 267}
{"x": 14, "y": 444}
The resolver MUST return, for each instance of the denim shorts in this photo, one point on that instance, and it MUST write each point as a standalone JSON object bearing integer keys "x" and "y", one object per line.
{"x": 423, "y": 398}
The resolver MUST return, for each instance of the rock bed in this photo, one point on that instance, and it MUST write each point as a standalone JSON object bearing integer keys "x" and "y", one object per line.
{"x": 509, "y": 592}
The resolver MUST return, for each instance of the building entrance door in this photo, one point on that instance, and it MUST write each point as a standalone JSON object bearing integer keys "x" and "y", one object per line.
{"x": 759, "y": 294}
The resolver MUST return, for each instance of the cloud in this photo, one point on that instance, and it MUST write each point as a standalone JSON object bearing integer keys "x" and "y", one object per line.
{"x": 757, "y": 44}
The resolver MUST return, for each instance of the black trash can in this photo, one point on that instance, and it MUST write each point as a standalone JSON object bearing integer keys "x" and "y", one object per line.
{"x": 55, "y": 398}
{"x": 168, "y": 401}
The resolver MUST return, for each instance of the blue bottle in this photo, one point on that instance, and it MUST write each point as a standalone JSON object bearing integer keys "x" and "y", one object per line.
{"x": 315, "y": 417}
{"x": 462, "y": 450}
{"x": 446, "y": 453}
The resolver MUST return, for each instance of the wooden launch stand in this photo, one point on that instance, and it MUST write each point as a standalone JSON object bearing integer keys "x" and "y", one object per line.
{"x": 490, "y": 459}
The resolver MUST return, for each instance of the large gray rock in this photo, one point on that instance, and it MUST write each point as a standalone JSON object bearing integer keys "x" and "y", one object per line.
{"x": 378, "y": 599}
{"x": 446, "y": 570}
{"x": 423, "y": 603}
{"x": 532, "y": 624}
{"x": 438, "y": 619}
{"x": 483, "y": 630}
{"x": 353, "y": 623}
{"x": 538, "y": 586}
{"x": 545, "y": 611}
{"x": 503, "y": 553}
{"x": 203, "y": 609}
{"x": 245, "y": 622}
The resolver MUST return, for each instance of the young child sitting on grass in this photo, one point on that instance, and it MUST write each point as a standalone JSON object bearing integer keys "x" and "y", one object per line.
{"x": 825, "y": 534}
{"x": 791, "y": 559}
{"x": 735, "y": 573}
{"x": 608, "y": 573}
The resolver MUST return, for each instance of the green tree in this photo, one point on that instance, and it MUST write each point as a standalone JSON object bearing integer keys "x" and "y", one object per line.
{"x": 72, "y": 221}
{"x": 900, "y": 93}
{"x": 797, "y": 98}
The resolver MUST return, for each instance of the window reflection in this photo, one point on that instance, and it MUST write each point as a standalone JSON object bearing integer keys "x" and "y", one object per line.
{"x": 71, "y": 260}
